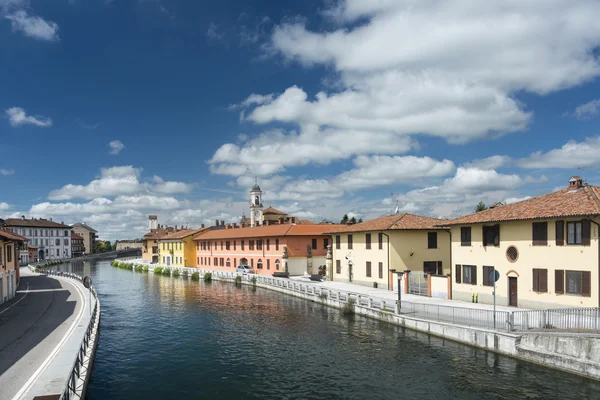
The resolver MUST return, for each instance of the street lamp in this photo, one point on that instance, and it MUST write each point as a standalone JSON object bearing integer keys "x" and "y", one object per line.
{"x": 400, "y": 274}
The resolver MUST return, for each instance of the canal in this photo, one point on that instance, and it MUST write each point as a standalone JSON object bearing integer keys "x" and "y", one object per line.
{"x": 163, "y": 337}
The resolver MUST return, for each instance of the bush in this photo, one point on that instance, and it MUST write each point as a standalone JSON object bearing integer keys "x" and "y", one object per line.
{"x": 139, "y": 268}
{"x": 175, "y": 273}
{"x": 145, "y": 268}
{"x": 114, "y": 263}
{"x": 158, "y": 271}
{"x": 253, "y": 280}
{"x": 185, "y": 273}
{"x": 166, "y": 272}
{"x": 208, "y": 277}
{"x": 196, "y": 276}
{"x": 238, "y": 280}
{"x": 349, "y": 307}
{"x": 130, "y": 266}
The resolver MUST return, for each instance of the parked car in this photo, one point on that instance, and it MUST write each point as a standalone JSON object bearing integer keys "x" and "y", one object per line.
{"x": 244, "y": 269}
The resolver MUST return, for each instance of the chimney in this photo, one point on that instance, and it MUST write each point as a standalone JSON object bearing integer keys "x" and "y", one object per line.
{"x": 216, "y": 222}
{"x": 201, "y": 225}
{"x": 22, "y": 217}
{"x": 575, "y": 183}
{"x": 222, "y": 223}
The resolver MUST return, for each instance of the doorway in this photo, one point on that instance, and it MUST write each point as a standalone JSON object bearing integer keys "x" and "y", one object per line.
{"x": 512, "y": 291}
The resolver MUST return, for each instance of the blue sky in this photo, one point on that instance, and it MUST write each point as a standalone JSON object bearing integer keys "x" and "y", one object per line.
{"x": 337, "y": 106}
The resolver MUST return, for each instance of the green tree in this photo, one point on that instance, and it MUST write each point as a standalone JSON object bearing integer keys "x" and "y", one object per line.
{"x": 360, "y": 220}
{"x": 480, "y": 207}
{"x": 344, "y": 219}
{"x": 353, "y": 220}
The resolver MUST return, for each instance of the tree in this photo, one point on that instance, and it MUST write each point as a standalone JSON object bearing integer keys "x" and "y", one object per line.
{"x": 360, "y": 220}
{"x": 344, "y": 219}
{"x": 353, "y": 220}
{"x": 480, "y": 207}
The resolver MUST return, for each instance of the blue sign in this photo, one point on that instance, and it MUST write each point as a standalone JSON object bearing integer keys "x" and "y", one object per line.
{"x": 494, "y": 274}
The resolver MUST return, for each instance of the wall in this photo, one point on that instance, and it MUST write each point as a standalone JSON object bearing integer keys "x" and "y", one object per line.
{"x": 402, "y": 244}
{"x": 147, "y": 249}
{"x": 8, "y": 276}
{"x": 550, "y": 257}
{"x": 439, "y": 286}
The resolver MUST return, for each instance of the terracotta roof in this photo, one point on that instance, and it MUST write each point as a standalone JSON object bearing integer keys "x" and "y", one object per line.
{"x": 34, "y": 223}
{"x": 30, "y": 246}
{"x": 158, "y": 233}
{"x": 76, "y": 236}
{"x": 306, "y": 222}
{"x": 268, "y": 231}
{"x": 393, "y": 222}
{"x": 272, "y": 210}
{"x": 563, "y": 203}
{"x": 183, "y": 233}
{"x": 82, "y": 225}
{"x": 5, "y": 234}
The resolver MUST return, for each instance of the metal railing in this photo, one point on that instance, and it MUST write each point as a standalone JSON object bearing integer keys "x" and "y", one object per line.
{"x": 565, "y": 319}
{"x": 74, "y": 387}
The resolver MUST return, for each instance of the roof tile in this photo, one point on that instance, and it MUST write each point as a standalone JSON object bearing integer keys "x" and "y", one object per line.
{"x": 393, "y": 222}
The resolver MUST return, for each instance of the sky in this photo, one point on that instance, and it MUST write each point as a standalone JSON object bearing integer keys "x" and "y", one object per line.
{"x": 114, "y": 110}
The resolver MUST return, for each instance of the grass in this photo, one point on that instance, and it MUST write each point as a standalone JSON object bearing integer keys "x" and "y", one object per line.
{"x": 208, "y": 277}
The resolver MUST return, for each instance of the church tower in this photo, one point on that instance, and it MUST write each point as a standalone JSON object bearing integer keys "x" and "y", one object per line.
{"x": 256, "y": 206}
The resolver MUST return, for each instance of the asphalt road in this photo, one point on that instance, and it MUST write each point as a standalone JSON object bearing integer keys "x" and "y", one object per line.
{"x": 31, "y": 326}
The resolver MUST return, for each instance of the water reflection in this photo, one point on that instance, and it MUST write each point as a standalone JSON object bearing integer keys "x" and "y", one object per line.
{"x": 163, "y": 337}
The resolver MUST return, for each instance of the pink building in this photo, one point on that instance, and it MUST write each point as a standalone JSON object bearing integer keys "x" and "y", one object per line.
{"x": 297, "y": 249}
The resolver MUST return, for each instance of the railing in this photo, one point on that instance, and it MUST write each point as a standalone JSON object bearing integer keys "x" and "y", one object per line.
{"x": 559, "y": 319}
{"x": 74, "y": 387}
{"x": 566, "y": 319}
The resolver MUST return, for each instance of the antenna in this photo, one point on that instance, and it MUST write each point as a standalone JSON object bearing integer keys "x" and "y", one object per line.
{"x": 397, "y": 208}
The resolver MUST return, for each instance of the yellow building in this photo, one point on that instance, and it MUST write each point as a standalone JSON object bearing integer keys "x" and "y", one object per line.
{"x": 10, "y": 244}
{"x": 178, "y": 248}
{"x": 366, "y": 253}
{"x": 545, "y": 250}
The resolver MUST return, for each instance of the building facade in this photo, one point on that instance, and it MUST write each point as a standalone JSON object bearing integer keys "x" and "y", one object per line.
{"x": 77, "y": 245}
{"x": 150, "y": 249}
{"x": 52, "y": 239}
{"x": 129, "y": 244}
{"x": 178, "y": 249}
{"x": 89, "y": 235}
{"x": 545, "y": 249}
{"x": 368, "y": 253}
{"x": 10, "y": 246}
{"x": 296, "y": 249}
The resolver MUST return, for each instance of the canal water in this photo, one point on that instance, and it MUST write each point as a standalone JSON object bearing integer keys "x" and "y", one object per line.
{"x": 166, "y": 338}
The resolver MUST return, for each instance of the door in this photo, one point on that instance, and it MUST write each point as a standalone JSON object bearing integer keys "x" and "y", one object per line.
{"x": 512, "y": 291}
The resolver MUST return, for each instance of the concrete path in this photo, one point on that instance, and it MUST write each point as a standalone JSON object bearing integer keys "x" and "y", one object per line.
{"x": 40, "y": 333}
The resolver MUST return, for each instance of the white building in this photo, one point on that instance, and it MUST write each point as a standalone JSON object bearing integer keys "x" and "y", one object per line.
{"x": 52, "y": 239}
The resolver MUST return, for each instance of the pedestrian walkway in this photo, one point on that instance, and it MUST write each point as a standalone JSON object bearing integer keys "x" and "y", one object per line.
{"x": 42, "y": 330}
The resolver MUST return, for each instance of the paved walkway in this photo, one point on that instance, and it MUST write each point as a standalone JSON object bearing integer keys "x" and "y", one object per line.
{"x": 41, "y": 331}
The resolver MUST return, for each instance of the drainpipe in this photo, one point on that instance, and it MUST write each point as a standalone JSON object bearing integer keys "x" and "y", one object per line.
{"x": 388, "y": 258}
{"x": 450, "y": 233}
{"x": 598, "y": 242}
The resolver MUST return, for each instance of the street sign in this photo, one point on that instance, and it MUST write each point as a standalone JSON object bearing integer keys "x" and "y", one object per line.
{"x": 87, "y": 282}
{"x": 494, "y": 276}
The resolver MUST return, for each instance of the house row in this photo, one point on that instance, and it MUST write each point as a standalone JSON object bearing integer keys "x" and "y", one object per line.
{"x": 10, "y": 247}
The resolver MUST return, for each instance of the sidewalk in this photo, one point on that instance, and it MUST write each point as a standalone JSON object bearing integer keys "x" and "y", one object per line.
{"x": 41, "y": 335}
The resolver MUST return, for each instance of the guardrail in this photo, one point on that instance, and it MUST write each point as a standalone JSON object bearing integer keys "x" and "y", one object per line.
{"x": 83, "y": 362}
{"x": 571, "y": 319}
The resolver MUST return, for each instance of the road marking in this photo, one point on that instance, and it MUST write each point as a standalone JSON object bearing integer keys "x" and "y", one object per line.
{"x": 50, "y": 357}
{"x": 16, "y": 302}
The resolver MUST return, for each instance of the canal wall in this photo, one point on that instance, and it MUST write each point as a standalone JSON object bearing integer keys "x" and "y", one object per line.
{"x": 577, "y": 354}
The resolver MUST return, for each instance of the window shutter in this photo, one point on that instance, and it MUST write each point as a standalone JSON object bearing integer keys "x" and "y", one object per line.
{"x": 474, "y": 278}
{"x": 585, "y": 232}
{"x": 497, "y": 238}
{"x": 559, "y": 281}
{"x": 440, "y": 270}
{"x": 543, "y": 280}
{"x": 536, "y": 280}
{"x": 586, "y": 283}
{"x": 457, "y": 273}
{"x": 560, "y": 233}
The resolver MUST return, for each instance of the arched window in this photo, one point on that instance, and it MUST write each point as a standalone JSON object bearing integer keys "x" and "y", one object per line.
{"x": 228, "y": 263}
{"x": 277, "y": 263}
{"x": 259, "y": 265}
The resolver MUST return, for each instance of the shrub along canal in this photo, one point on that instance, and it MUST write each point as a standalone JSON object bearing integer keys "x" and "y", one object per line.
{"x": 165, "y": 337}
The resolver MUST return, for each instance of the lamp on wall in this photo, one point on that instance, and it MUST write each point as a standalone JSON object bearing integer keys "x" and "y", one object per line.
{"x": 412, "y": 252}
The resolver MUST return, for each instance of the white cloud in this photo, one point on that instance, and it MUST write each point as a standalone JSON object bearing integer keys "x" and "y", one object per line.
{"x": 17, "y": 117}
{"x": 4, "y": 206}
{"x": 120, "y": 171}
{"x": 115, "y": 146}
{"x": 571, "y": 155}
{"x": 161, "y": 186}
{"x": 253, "y": 100}
{"x": 511, "y": 200}
{"x": 493, "y": 162}
{"x": 33, "y": 26}
{"x": 588, "y": 110}
{"x": 212, "y": 33}
{"x": 5, "y": 172}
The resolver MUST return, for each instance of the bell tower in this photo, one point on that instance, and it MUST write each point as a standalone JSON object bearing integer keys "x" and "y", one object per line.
{"x": 256, "y": 206}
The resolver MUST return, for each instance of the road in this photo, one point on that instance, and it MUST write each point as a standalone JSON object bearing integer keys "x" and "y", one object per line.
{"x": 33, "y": 327}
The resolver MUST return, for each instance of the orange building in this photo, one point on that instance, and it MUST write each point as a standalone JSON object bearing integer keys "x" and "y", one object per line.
{"x": 297, "y": 249}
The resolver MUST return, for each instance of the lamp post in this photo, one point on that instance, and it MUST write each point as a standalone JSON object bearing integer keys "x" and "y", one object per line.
{"x": 400, "y": 274}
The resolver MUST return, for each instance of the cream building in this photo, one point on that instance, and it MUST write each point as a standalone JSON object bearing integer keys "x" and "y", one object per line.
{"x": 545, "y": 250}
{"x": 368, "y": 252}
{"x": 89, "y": 235}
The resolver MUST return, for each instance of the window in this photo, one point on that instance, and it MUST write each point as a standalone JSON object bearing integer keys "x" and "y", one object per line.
{"x": 512, "y": 254}
{"x": 216, "y": 264}
{"x": 469, "y": 274}
{"x": 66, "y": 233}
{"x": 243, "y": 245}
{"x": 349, "y": 242}
{"x": 338, "y": 266}
{"x": 540, "y": 280}
{"x": 227, "y": 245}
{"x": 368, "y": 241}
{"x": 228, "y": 263}
{"x": 57, "y": 242}
{"x": 222, "y": 262}
{"x": 268, "y": 247}
{"x": 259, "y": 264}
{"x": 52, "y": 232}
{"x": 277, "y": 264}
{"x": 338, "y": 242}
{"x": 432, "y": 240}
{"x": 57, "y": 253}
{"x": 578, "y": 232}
{"x": 8, "y": 253}
{"x": 368, "y": 269}
{"x": 430, "y": 267}
{"x": 325, "y": 243}
{"x": 235, "y": 245}
{"x": 276, "y": 244}
{"x": 235, "y": 262}
{"x": 314, "y": 244}
{"x": 486, "y": 276}
{"x": 259, "y": 244}
{"x": 66, "y": 242}
{"x": 578, "y": 282}
{"x": 268, "y": 264}
{"x": 380, "y": 270}
{"x": 539, "y": 233}
{"x": 163, "y": 246}
{"x": 380, "y": 240}
{"x": 491, "y": 235}
{"x": 465, "y": 236}
{"x": 221, "y": 245}
{"x": 252, "y": 263}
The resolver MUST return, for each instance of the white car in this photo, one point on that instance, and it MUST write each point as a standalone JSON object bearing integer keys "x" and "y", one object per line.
{"x": 244, "y": 269}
